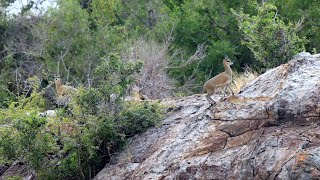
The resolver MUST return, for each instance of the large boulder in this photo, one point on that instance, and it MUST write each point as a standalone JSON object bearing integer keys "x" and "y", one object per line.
{"x": 270, "y": 130}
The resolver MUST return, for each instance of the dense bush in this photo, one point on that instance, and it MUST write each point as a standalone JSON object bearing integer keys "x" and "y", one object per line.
{"x": 72, "y": 39}
{"x": 5, "y": 97}
{"x": 181, "y": 44}
{"x": 86, "y": 132}
{"x": 271, "y": 40}
{"x": 137, "y": 117}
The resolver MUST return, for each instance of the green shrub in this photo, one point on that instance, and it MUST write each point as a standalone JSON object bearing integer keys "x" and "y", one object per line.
{"x": 26, "y": 140}
{"x": 114, "y": 75}
{"x": 137, "y": 117}
{"x": 88, "y": 100}
{"x": 271, "y": 40}
{"x": 78, "y": 143}
{"x": 33, "y": 143}
{"x": 7, "y": 144}
{"x": 5, "y": 97}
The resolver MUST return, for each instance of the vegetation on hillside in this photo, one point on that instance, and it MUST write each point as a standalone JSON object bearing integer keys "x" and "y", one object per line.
{"x": 105, "y": 47}
{"x": 85, "y": 132}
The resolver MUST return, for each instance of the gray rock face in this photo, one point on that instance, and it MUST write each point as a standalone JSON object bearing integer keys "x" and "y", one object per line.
{"x": 268, "y": 131}
{"x": 17, "y": 169}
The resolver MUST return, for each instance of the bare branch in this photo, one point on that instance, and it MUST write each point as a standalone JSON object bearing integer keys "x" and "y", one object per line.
{"x": 299, "y": 25}
{"x": 198, "y": 55}
{"x": 153, "y": 80}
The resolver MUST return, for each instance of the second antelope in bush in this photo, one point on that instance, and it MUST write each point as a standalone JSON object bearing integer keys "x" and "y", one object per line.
{"x": 62, "y": 89}
{"x": 223, "y": 79}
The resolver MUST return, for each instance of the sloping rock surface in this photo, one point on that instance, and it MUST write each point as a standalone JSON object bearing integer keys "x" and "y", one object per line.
{"x": 268, "y": 131}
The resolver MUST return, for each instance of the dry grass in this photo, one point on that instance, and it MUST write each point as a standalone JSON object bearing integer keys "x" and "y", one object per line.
{"x": 242, "y": 79}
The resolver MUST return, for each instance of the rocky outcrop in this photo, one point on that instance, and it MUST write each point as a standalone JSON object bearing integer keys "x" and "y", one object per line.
{"x": 17, "y": 170}
{"x": 270, "y": 130}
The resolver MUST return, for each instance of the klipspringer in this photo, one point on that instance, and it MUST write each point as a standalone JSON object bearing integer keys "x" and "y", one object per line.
{"x": 61, "y": 89}
{"x": 221, "y": 80}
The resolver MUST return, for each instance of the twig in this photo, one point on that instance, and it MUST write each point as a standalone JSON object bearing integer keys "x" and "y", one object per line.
{"x": 198, "y": 55}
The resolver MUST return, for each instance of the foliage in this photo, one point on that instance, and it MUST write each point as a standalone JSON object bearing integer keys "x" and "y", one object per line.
{"x": 31, "y": 143}
{"x": 114, "y": 75}
{"x": 305, "y": 14}
{"x": 271, "y": 40}
{"x": 7, "y": 145}
{"x": 104, "y": 12}
{"x": 5, "y": 97}
{"x": 81, "y": 39}
{"x": 66, "y": 39}
{"x": 21, "y": 126}
{"x": 201, "y": 22}
{"x": 84, "y": 135}
{"x": 88, "y": 100}
{"x": 137, "y": 117}
{"x": 74, "y": 39}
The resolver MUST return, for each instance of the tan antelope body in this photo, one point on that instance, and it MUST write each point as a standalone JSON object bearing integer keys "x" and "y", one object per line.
{"x": 61, "y": 89}
{"x": 223, "y": 79}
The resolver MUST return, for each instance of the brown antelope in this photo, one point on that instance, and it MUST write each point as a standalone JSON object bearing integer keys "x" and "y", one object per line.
{"x": 221, "y": 80}
{"x": 61, "y": 89}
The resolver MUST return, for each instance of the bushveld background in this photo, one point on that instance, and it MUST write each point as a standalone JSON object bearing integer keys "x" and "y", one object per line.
{"x": 165, "y": 48}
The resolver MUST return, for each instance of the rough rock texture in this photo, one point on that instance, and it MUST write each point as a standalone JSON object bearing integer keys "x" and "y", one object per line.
{"x": 16, "y": 169}
{"x": 268, "y": 131}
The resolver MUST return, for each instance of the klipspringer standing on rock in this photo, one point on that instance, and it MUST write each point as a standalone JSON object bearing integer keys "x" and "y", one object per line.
{"x": 221, "y": 80}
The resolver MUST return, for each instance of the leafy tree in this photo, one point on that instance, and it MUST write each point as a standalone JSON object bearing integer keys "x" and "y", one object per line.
{"x": 204, "y": 22}
{"x": 305, "y": 14}
{"x": 271, "y": 40}
{"x": 66, "y": 39}
{"x": 104, "y": 13}
{"x": 5, "y": 94}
